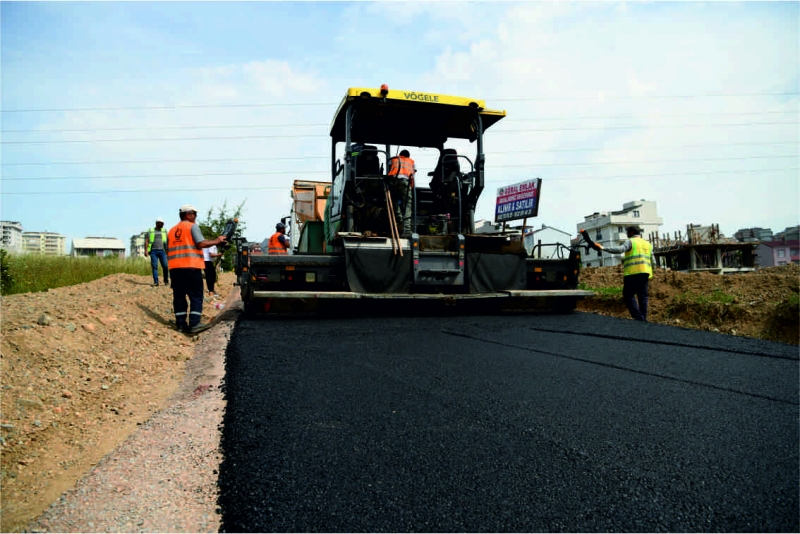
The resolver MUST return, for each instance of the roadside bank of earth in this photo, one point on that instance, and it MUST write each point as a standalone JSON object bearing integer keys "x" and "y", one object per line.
{"x": 762, "y": 304}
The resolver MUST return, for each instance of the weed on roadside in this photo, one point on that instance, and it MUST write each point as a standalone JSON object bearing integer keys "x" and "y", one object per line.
{"x": 603, "y": 292}
{"x": 23, "y": 273}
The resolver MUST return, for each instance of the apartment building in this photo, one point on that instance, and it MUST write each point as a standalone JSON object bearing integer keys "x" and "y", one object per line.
{"x": 748, "y": 235}
{"x": 137, "y": 245}
{"x": 608, "y": 229}
{"x": 791, "y": 233}
{"x": 49, "y": 243}
{"x": 11, "y": 239}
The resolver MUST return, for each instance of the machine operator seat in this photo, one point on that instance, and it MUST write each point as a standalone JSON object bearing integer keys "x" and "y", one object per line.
{"x": 446, "y": 169}
{"x": 365, "y": 159}
{"x": 446, "y": 182}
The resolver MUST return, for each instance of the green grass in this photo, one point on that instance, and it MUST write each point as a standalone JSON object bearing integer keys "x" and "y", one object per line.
{"x": 716, "y": 296}
{"x": 788, "y": 310}
{"x": 24, "y": 273}
{"x": 603, "y": 292}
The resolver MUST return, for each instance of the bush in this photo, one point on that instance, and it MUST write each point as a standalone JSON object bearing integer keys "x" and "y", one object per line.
{"x": 6, "y": 277}
{"x": 213, "y": 225}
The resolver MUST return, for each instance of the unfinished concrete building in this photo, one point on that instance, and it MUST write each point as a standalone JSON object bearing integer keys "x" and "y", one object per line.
{"x": 703, "y": 249}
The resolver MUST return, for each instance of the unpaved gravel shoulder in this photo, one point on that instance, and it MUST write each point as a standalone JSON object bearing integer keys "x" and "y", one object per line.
{"x": 163, "y": 478}
{"x": 81, "y": 369}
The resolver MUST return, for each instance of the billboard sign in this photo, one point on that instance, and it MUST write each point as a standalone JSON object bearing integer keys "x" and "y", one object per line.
{"x": 518, "y": 201}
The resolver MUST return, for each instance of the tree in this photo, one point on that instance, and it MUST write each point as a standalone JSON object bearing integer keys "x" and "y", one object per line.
{"x": 6, "y": 276}
{"x": 213, "y": 225}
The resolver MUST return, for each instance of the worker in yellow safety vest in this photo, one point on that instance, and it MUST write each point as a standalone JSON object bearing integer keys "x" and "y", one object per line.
{"x": 278, "y": 242}
{"x": 638, "y": 262}
{"x": 185, "y": 256}
{"x": 155, "y": 246}
{"x": 401, "y": 173}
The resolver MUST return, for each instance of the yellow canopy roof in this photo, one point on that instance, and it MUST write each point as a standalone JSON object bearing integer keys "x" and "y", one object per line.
{"x": 410, "y": 118}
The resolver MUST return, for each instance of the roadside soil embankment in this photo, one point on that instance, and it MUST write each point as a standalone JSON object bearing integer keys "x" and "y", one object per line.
{"x": 761, "y": 304}
{"x": 83, "y": 367}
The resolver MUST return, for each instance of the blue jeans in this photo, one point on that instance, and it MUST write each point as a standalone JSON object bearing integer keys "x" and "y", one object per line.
{"x": 156, "y": 257}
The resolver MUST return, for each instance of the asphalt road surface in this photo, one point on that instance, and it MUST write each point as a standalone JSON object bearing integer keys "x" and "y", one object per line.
{"x": 507, "y": 423}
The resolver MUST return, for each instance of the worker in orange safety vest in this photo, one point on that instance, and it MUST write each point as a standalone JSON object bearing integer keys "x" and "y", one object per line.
{"x": 401, "y": 173}
{"x": 278, "y": 242}
{"x": 185, "y": 257}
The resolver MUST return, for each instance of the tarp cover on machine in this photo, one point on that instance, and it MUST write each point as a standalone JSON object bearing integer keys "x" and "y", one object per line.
{"x": 377, "y": 270}
{"x": 495, "y": 272}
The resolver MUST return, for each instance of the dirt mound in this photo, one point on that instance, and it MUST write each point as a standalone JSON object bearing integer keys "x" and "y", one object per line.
{"x": 82, "y": 367}
{"x": 761, "y": 304}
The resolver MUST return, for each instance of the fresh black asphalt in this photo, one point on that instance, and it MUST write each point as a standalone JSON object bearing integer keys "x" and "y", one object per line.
{"x": 522, "y": 423}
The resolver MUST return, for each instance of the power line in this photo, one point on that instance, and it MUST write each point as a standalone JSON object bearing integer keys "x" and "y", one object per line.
{"x": 129, "y": 140}
{"x": 331, "y": 104}
{"x": 134, "y": 140}
{"x": 220, "y": 160}
{"x": 191, "y": 175}
{"x": 151, "y": 161}
{"x": 181, "y": 127}
{"x": 663, "y": 147}
{"x": 532, "y": 165}
{"x": 659, "y": 175}
{"x": 268, "y": 173}
{"x": 500, "y": 129}
{"x": 650, "y": 116}
{"x": 325, "y": 125}
{"x": 181, "y": 106}
{"x": 261, "y": 188}
{"x": 644, "y": 97}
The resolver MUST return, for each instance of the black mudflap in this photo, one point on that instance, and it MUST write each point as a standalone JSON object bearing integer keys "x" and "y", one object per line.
{"x": 495, "y": 272}
{"x": 377, "y": 269}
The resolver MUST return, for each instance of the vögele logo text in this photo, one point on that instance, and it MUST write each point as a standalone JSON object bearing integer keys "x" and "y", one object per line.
{"x": 421, "y": 97}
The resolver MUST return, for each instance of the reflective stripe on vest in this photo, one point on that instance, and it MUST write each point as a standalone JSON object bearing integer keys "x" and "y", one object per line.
{"x": 153, "y": 236}
{"x": 401, "y": 165}
{"x": 275, "y": 246}
{"x": 637, "y": 259}
{"x": 183, "y": 252}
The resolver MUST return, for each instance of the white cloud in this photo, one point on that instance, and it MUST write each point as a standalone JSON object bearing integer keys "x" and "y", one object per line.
{"x": 278, "y": 79}
{"x": 624, "y": 62}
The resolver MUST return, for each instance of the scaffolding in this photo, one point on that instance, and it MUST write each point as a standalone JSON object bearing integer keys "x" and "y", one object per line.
{"x": 703, "y": 249}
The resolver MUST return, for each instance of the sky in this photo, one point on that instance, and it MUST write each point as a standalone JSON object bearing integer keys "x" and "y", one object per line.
{"x": 116, "y": 113}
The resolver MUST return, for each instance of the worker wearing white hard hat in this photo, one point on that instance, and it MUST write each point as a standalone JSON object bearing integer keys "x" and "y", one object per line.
{"x": 155, "y": 246}
{"x": 185, "y": 256}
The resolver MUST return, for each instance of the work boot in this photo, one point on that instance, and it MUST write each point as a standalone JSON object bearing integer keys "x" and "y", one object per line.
{"x": 183, "y": 327}
{"x": 200, "y": 327}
